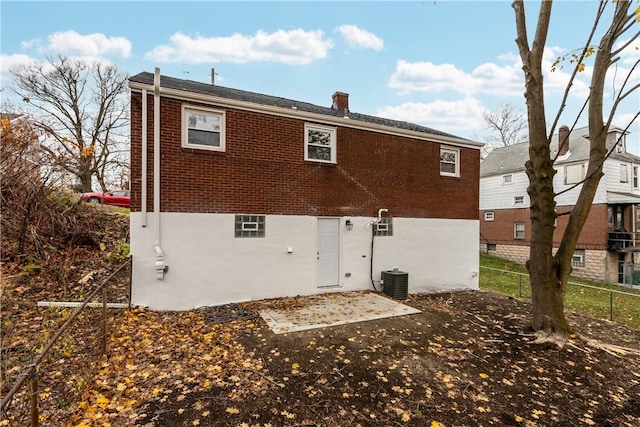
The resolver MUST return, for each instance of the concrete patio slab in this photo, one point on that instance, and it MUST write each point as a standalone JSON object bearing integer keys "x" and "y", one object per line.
{"x": 321, "y": 311}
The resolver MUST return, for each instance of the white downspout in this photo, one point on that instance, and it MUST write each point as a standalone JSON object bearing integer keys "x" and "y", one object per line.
{"x": 160, "y": 266}
{"x": 144, "y": 158}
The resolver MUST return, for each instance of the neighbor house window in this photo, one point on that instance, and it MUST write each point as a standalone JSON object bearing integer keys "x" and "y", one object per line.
{"x": 578, "y": 259}
{"x": 320, "y": 143}
{"x": 518, "y": 200}
{"x": 492, "y": 247}
{"x": 611, "y": 218}
{"x": 249, "y": 226}
{"x": 624, "y": 173}
{"x": 573, "y": 174}
{"x": 635, "y": 177}
{"x": 384, "y": 227}
{"x": 449, "y": 162}
{"x": 507, "y": 179}
{"x": 518, "y": 230}
{"x": 202, "y": 128}
{"x": 488, "y": 216}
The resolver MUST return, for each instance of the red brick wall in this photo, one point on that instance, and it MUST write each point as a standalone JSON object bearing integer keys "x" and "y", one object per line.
{"x": 500, "y": 230}
{"x": 263, "y": 171}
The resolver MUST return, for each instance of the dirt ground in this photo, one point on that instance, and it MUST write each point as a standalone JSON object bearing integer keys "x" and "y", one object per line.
{"x": 467, "y": 360}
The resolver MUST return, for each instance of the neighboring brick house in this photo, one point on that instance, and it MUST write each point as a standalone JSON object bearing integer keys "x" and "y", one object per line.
{"x": 607, "y": 242}
{"x": 261, "y": 197}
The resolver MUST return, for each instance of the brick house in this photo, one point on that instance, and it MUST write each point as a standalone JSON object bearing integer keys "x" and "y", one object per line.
{"x": 239, "y": 196}
{"x": 607, "y": 243}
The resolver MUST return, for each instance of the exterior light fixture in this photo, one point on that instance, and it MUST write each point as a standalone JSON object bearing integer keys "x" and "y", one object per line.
{"x": 349, "y": 224}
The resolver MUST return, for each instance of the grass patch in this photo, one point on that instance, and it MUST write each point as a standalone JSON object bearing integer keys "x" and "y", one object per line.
{"x": 513, "y": 279}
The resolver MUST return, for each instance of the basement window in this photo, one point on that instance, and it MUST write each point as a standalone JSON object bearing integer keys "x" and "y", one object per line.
{"x": 249, "y": 226}
{"x": 579, "y": 258}
{"x": 384, "y": 227}
{"x": 203, "y": 128}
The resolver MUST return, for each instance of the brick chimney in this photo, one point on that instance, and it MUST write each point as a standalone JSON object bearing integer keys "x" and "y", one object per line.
{"x": 341, "y": 101}
{"x": 563, "y": 140}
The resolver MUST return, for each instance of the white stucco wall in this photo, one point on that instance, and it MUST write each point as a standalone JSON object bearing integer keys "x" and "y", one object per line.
{"x": 209, "y": 266}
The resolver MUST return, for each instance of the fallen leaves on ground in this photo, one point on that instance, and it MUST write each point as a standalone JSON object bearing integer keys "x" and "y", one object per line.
{"x": 467, "y": 359}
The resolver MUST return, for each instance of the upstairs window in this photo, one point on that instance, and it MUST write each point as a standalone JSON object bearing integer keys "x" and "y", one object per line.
{"x": 635, "y": 177}
{"x": 518, "y": 200}
{"x": 449, "y": 162}
{"x": 203, "y": 128}
{"x": 573, "y": 174}
{"x": 507, "y": 179}
{"x": 624, "y": 173}
{"x": 320, "y": 143}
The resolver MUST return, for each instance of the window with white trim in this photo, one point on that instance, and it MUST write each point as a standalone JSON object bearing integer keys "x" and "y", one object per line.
{"x": 203, "y": 128}
{"x": 635, "y": 177}
{"x": 488, "y": 216}
{"x": 449, "y": 161}
{"x": 319, "y": 143}
{"x": 507, "y": 179}
{"x": 624, "y": 173}
{"x": 518, "y": 230}
{"x": 579, "y": 258}
{"x": 518, "y": 200}
{"x": 249, "y": 225}
{"x": 492, "y": 247}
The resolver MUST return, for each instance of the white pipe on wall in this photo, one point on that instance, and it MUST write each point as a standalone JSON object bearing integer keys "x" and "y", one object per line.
{"x": 160, "y": 266}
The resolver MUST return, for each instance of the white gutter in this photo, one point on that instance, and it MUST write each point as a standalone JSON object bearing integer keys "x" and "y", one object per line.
{"x": 322, "y": 118}
{"x": 160, "y": 266}
{"x": 144, "y": 158}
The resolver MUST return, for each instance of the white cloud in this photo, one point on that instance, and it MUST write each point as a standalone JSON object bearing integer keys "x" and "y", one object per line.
{"x": 9, "y": 61}
{"x": 429, "y": 77}
{"x": 96, "y": 45}
{"x": 288, "y": 47}
{"x": 355, "y": 36}
{"x": 461, "y": 117}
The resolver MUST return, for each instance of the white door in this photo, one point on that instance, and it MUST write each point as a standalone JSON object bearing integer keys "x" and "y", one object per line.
{"x": 328, "y": 252}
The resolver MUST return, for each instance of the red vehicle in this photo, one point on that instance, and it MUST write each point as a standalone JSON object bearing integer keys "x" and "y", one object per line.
{"x": 120, "y": 198}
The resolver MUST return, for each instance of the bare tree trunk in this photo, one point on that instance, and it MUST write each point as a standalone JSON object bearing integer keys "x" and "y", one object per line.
{"x": 547, "y": 291}
{"x": 549, "y": 274}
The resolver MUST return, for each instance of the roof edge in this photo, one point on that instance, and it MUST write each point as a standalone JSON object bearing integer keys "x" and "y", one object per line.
{"x": 285, "y": 112}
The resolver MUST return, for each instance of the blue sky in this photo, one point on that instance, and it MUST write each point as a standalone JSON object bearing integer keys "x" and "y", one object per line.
{"x": 439, "y": 63}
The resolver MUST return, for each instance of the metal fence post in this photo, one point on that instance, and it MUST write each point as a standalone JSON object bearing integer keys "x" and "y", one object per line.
{"x": 611, "y": 306}
{"x": 520, "y": 286}
{"x": 33, "y": 397}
